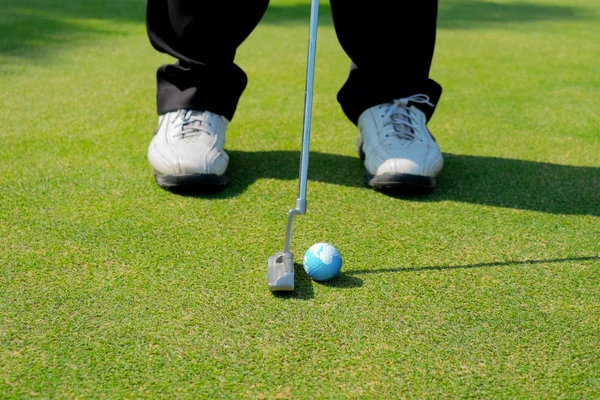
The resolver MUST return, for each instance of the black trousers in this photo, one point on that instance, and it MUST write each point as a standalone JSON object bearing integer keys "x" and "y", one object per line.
{"x": 390, "y": 43}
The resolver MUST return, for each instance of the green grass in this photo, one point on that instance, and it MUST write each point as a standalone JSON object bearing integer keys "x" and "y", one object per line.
{"x": 113, "y": 288}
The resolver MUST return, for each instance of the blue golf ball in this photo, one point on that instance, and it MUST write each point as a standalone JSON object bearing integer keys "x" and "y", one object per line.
{"x": 322, "y": 261}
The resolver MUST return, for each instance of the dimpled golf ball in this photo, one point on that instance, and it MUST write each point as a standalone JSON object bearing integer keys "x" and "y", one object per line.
{"x": 322, "y": 261}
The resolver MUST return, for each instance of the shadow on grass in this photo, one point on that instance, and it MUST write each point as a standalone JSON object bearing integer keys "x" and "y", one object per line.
{"x": 499, "y": 182}
{"x": 478, "y": 265}
{"x": 33, "y": 29}
{"x": 344, "y": 280}
{"x": 303, "y": 285}
{"x": 452, "y": 14}
{"x": 472, "y": 14}
{"x": 37, "y": 29}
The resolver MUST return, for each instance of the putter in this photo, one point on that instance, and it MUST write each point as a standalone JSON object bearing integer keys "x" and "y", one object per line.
{"x": 281, "y": 265}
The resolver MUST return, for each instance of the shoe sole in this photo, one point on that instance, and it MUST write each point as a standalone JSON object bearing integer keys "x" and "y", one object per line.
{"x": 399, "y": 184}
{"x": 191, "y": 183}
{"x": 403, "y": 184}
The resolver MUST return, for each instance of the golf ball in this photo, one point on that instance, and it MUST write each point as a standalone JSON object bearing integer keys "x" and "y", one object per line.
{"x": 322, "y": 261}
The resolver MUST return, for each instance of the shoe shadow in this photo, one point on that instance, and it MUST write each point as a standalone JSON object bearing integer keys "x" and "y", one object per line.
{"x": 519, "y": 184}
{"x": 492, "y": 181}
{"x": 245, "y": 168}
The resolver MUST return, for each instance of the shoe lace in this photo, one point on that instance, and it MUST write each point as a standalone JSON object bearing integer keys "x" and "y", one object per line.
{"x": 188, "y": 123}
{"x": 399, "y": 117}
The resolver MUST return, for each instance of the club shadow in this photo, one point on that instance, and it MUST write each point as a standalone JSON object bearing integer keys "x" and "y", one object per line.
{"x": 303, "y": 286}
{"x": 477, "y": 265}
{"x": 304, "y": 289}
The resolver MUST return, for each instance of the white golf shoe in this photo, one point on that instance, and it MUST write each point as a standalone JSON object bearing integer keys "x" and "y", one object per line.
{"x": 187, "y": 152}
{"x": 399, "y": 152}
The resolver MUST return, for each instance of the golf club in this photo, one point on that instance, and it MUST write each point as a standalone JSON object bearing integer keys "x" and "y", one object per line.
{"x": 281, "y": 265}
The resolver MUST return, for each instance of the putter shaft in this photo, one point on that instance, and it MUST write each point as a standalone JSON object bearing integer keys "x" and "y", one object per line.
{"x": 281, "y": 265}
{"x": 308, "y": 99}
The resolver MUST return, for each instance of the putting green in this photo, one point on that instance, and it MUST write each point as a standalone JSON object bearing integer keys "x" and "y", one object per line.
{"x": 113, "y": 288}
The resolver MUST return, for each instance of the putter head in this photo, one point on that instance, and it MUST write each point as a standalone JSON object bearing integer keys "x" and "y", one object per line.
{"x": 281, "y": 272}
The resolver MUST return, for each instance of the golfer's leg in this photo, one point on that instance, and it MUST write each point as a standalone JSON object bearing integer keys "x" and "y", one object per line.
{"x": 389, "y": 94}
{"x": 203, "y": 36}
{"x": 391, "y": 44}
{"x": 198, "y": 94}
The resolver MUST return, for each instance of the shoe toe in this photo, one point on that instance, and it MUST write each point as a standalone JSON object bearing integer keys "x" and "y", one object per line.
{"x": 399, "y": 166}
{"x": 163, "y": 162}
{"x": 209, "y": 163}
